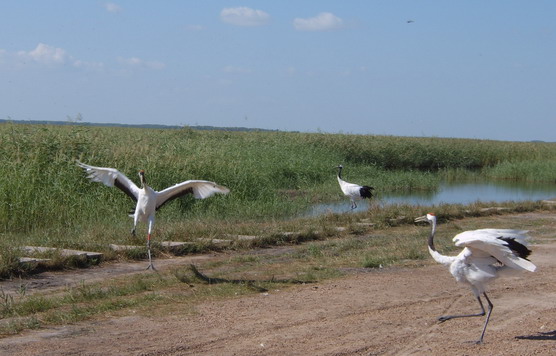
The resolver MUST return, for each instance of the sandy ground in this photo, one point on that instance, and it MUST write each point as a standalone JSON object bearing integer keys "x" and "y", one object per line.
{"x": 382, "y": 312}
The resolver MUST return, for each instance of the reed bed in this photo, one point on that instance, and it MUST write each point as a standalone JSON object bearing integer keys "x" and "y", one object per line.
{"x": 274, "y": 176}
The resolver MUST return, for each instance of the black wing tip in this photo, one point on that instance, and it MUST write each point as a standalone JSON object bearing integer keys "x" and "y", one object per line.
{"x": 517, "y": 248}
{"x": 366, "y": 191}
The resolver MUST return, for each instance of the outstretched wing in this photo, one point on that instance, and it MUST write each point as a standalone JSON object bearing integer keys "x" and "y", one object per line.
{"x": 200, "y": 189}
{"x": 507, "y": 246}
{"x": 112, "y": 178}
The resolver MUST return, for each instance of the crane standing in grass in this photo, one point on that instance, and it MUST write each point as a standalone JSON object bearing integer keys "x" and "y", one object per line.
{"x": 487, "y": 254}
{"x": 353, "y": 191}
{"x": 148, "y": 200}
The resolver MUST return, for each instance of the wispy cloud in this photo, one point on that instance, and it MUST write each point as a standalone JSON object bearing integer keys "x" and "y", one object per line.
{"x": 325, "y": 21}
{"x": 112, "y": 7}
{"x": 244, "y": 16}
{"x": 51, "y": 56}
{"x": 45, "y": 54}
{"x": 88, "y": 65}
{"x": 140, "y": 63}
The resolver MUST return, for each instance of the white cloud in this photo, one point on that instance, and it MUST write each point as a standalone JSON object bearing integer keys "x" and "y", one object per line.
{"x": 45, "y": 54}
{"x": 139, "y": 63}
{"x": 113, "y": 8}
{"x": 244, "y": 16}
{"x": 322, "y": 22}
{"x": 133, "y": 61}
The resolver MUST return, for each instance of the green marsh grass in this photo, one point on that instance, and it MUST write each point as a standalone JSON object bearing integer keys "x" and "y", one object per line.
{"x": 531, "y": 171}
{"x": 46, "y": 200}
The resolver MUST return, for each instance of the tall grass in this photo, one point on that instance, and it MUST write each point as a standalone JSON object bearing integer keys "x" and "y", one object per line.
{"x": 407, "y": 153}
{"x": 45, "y": 198}
{"x": 528, "y": 170}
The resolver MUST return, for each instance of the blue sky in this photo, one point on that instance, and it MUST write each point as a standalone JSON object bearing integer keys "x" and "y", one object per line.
{"x": 472, "y": 69}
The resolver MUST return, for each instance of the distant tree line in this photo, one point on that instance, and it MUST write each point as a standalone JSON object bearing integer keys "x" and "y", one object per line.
{"x": 145, "y": 126}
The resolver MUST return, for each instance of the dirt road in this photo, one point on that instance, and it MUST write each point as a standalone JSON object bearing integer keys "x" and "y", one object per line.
{"x": 382, "y": 312}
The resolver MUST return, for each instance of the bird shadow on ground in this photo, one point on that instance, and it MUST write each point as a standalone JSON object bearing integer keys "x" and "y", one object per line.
{"x": 549, "y": 335}
{"x": 248, "y": 282}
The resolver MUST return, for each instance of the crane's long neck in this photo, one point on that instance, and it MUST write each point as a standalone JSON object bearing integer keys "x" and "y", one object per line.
{"x": 437, "y": 256}
{"x": 340, "y": 172}
{"x": 431, "y": 236}
{"x": 143, "y": 180}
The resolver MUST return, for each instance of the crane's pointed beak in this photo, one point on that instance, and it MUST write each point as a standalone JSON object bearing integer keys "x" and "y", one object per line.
{"x": 422, "y": 219}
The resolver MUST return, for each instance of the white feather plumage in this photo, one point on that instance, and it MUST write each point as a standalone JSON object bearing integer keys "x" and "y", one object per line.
{"x": 486, "y": 255}
{"x": 148, "y": 200}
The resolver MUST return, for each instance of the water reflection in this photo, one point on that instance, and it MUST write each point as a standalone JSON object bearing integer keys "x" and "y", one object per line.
{"x": 453, "y": 193}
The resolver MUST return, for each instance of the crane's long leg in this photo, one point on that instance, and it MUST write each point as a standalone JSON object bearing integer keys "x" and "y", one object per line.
{"x": 149, "y": 252}
{"x": 149, "y": 246}
{"x": 482, "y": 313}
{"x": 490, "y": 307}
{"x": 135, "y": 220}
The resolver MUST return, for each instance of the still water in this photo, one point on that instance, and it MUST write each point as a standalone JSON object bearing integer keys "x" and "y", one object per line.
{"x": 452, "y": 193}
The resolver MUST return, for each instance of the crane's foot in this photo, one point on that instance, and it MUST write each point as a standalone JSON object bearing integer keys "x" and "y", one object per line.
{"x": 150, "y": 266}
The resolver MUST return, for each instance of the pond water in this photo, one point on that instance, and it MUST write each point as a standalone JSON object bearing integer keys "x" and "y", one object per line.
{"x": 451, "y": 193}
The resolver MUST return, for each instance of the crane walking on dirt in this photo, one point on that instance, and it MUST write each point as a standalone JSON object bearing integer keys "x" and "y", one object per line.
{"x": 149, "y": 200}
{"x": 353, "y": 191}
{"x": 486, "y": 254}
